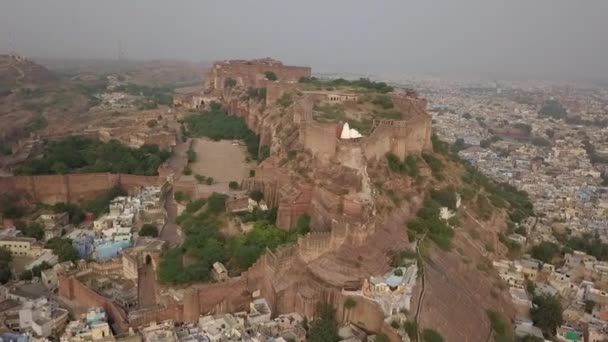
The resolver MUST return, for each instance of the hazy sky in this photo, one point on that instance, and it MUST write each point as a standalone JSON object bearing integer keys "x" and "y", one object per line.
{"x": 559, "y": 38}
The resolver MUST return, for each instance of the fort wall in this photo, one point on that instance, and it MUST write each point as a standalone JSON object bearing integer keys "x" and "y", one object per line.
{"x": 319, "y": 138}
{"x": 73, "y": 188}
{"x": 290, "y": 209}
{"x": 72, "y": 289}
{"x": 274, "y": 91}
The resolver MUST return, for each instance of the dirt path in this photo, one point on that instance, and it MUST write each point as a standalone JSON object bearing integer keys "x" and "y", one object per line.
{"x": 421, "y": 297}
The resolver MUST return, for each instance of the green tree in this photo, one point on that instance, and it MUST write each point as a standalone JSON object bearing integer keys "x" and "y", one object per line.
{"x": 34, "y": 230}
{"x": 5, "y": 273}
{"x": 271, "y": 76}
{"x": 467, "y": 116}
{"x": 152, "y": 123}
{"x": 181, "y": 196}
{"x": 547, "y": 313}
{"x": 5, "y": 255}
{"x": 324, "y": 328}
{"x": 63, "y": 249}
{"x": 233, "y": 185}
{"x": 303, "y": 224}
{"x": 545, "y": 251}
{"x": 553, "y": 109}
{"x": 148, "y": 230}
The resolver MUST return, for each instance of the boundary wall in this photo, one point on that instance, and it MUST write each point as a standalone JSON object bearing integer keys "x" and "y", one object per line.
{"x": 73, "y": 188}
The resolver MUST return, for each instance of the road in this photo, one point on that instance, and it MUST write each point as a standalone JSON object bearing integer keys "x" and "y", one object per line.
{"x": 171, "y": 232}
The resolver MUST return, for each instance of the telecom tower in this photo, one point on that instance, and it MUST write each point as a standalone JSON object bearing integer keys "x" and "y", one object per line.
{"x": 121, "y": 51}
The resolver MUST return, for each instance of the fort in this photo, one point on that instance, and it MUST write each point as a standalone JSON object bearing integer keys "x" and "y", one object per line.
{"x": 326, "y": 177}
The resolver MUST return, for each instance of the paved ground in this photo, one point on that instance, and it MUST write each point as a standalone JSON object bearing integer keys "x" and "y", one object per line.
{"x": 223, "y": 160}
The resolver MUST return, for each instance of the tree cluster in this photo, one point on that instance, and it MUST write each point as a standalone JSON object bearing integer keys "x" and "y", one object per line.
{"x": 409, "y": 166}
{"x": 365, "y": 83}
{"x": 429, "y": 222}
{"x": 148, "y": 230}
{"x": 205, "y": 244}
{"x": 553, "y": 109}
{"x": 325, "y": 327}
{"x": 63, "y": 249}
{"x": 5, "y": 268}
{"x": 217, "y": 125}
{"x": 78, "y": 154}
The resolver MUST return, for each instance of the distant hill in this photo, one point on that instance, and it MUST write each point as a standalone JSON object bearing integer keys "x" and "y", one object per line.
{"x": 20, "y": 71}
{"x": 31, "y": 96}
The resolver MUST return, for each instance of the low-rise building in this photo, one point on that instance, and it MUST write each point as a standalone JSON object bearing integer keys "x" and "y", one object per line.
{"x": 91, "y": 328}
{"x": 42, "y": 317}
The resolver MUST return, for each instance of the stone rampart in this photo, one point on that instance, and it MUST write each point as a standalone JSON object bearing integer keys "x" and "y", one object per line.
{"x": 72, "y": 289}
{"x": 73, "y": 188}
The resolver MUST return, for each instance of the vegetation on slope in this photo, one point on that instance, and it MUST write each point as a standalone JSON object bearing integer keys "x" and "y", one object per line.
{"x": 364, "y": 83}
{"x": 218, "y": 125}
{"x": 205, "y": 244}
{"x": 78, "y": 154}
{"x": 429, "y": 222}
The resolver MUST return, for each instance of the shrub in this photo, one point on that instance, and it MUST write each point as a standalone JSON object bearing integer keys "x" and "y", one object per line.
{"x": 271, "y": 76}
{"x": 234, "y": 185}
{"x": 383, "y": 101}
{"x": 195, "y": 205}
{"x": 181, "y": 196}
{"x": 435, "y": 164}
{"x": 409, "y": 166}
{"x": 148, "y": 230}
{"x": 200, "y": 179}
